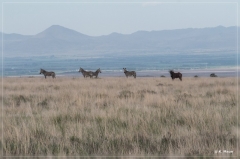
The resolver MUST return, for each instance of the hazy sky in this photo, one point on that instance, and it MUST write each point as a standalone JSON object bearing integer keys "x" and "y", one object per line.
{"x": 104, "y": 17}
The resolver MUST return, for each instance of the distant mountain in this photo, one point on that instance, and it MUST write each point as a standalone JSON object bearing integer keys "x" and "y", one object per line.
{"x": 59, "y": 32}
{"x": 60, "y": 40}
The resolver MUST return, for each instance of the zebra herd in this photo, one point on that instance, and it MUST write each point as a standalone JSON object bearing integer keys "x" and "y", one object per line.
{"x": 91, "y": 74}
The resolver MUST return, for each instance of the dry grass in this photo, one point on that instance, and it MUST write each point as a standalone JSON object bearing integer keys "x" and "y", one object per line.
{"x": 119, "y": 116}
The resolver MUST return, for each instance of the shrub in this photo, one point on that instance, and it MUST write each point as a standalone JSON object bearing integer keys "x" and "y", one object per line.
{"x": 213, "y": 75}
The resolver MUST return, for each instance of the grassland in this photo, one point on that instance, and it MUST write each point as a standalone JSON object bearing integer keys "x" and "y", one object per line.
{"x": 119, "y": 116}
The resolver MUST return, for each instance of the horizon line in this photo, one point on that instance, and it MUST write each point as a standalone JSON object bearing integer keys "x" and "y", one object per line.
{"x": 117, "y": 32}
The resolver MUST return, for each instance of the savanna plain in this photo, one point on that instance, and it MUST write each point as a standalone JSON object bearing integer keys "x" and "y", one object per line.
{"x": 119, "y": 116}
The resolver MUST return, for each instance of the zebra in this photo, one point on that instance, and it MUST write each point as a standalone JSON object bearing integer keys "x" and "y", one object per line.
{"x": 45, "y": 73}
{"x": 96, "y": 72}
{"x": 129, "y": 73}
{"x": 86, "y": 73}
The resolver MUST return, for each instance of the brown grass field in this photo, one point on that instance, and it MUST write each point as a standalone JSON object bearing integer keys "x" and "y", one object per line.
{"x": 118, "y": 116}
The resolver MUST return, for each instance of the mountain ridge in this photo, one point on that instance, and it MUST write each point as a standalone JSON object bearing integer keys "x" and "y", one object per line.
{"x": 60, "y": 40}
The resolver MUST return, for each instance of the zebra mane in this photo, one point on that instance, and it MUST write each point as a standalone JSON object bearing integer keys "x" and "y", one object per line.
{"x": 98, "y": 70}
{"x": 43, "y": 70}
{"x": 82, "y": 70}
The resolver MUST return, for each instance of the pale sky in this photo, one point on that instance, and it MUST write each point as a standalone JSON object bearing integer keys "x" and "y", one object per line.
{"x": 95, "y": 18}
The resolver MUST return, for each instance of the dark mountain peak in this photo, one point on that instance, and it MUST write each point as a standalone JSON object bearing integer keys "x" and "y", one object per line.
{"x": 220, "y": 26}
{"x": 58, "y": 28}
{"x": 114, "y": 34}
{"x": 141, "y": 32}
{"x": 57, "y": 31}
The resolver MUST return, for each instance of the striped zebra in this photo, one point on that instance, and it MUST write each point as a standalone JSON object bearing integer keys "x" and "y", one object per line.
{"x": 96, "y": 73}
{"x": 129, "y": 73}
{"x": 85, "y": 73}
{"x": 45, "y": 73}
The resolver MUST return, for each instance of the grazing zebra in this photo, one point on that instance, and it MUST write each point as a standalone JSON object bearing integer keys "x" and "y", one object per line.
{"x": 129, "y": 73}
{"x": 96, "y": 72}
{"x": 175, "y": 75}
{"x": 85, "y": 73}
{"x": 45, "y": 73}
